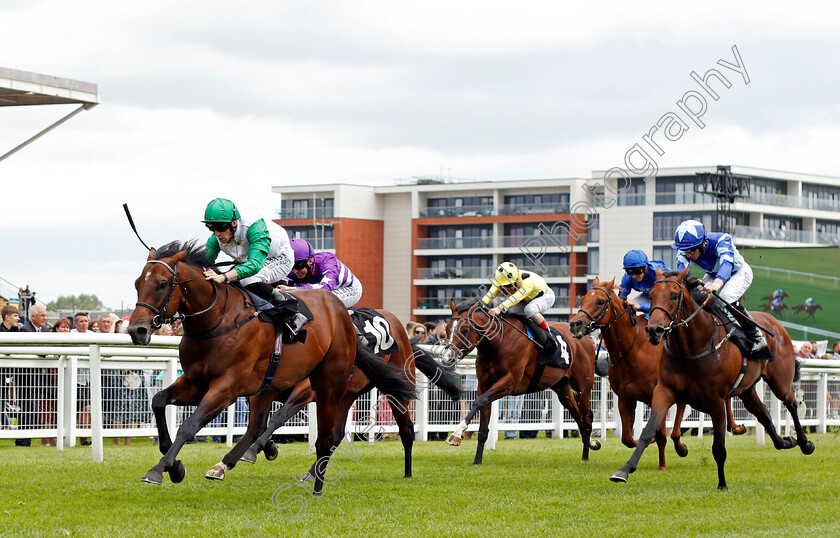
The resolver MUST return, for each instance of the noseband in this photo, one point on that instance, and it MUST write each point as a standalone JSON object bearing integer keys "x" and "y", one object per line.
{"x": 461, "y": 353}
{"x": 159, "y": 319}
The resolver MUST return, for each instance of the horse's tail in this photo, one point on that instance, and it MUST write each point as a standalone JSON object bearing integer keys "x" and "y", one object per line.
{"x": 388, "y": 379}
{"x": 446, "y": 379}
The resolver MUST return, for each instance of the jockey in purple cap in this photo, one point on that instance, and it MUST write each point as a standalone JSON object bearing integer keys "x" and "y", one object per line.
{"x": 321, "y": 271}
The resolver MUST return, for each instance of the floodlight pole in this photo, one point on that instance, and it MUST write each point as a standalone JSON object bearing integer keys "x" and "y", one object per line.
{"x": 725, "y": 187}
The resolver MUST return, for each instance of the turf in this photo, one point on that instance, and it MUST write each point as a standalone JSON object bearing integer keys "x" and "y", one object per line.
{"x": 525, "y": 486}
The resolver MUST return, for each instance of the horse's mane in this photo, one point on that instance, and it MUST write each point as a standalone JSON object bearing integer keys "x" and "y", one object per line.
{"x": 694, "y": 287}
{"x": 463, "y": 306}
{"x": 196, "y": 253}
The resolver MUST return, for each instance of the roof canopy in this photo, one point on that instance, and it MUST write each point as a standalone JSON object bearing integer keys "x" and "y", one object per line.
{"x": 19, "y": 88}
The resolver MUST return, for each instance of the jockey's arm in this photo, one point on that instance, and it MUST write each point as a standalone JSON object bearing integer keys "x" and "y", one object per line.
{"x": 490, "y": 295}
{"x": 330, "y": 273}
{"x": 260, "y": 243}
{"x": 524, "y": 289}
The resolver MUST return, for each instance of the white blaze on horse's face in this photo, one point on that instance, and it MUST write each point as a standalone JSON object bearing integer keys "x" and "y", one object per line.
{"x": 148, "y": 274}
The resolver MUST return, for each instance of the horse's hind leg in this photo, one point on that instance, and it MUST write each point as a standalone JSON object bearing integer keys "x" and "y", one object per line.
{"x": 260, "y": 406}
{"x": 786, "y": 393}
{"x": 676, "y": 432}
{"x": 731, "y": 426}
{"x": 584, "y": 421}
{"x": 301, "y": 396}
{"x": 755, "y": 406}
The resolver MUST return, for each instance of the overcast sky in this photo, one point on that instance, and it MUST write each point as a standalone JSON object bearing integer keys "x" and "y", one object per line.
{"x": 206, "y": 99}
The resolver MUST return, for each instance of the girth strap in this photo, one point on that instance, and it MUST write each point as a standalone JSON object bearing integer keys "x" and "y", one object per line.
{"x": 272, "y": 364}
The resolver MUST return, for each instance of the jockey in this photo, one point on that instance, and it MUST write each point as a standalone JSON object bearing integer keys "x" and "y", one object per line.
{"x": 260, "y": 248}
{"x": 640, "y": 274}
{"x": 321, "y": 271}
{"x": 809, "y": 302}
{"x": 526, "y": 293}
{"x": 726, "y": 271}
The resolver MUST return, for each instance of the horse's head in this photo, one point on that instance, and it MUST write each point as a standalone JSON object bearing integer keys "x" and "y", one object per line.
{"x": 157, "y": 295}
{"x": 596, "y": 309}
{"x": 468, "y": 326}
{"x": 667, "y": 297}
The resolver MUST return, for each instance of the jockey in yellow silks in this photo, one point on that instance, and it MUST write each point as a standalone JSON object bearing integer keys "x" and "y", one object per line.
{"x": 525, "y": 292}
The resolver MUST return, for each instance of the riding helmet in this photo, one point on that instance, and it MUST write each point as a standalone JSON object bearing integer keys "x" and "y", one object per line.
{"x": 221, "y": 210}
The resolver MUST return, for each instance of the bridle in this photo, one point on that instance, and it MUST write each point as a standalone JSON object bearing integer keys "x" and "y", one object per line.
{"x": 159, "y": 313}
{"x": 673, "y": 317}
{"x": 595, "y": 323}
{"x": 456, "y": 332}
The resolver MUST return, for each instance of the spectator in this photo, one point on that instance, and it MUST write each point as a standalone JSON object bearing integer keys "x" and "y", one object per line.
{"x": 14, "y": 385}
{"x": 440, "y": 333}
{"x": 415, "y": 329}
{"x": 37, "y": 321}
{"x": 48, "y": 399}
{"x": 804, "y": 352}
{"x": 81, "y": 321}
{"x": 63, "y": 325}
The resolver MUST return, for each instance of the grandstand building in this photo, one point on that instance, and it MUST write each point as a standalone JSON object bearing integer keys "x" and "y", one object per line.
{"x": 417, "y": 244}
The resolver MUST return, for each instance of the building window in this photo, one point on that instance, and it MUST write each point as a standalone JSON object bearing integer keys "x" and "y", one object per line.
{"x": 767, "y": 186}
{"x": 665, "y": 224}
{"x": 556, "y": 233}
{"x": 778, "y": 222}
{"x": 457, "y": 267}
{"x": 680, "y": 190}
{"x": 528, "y": 204}
{"x": 593, "y": 229}
{"x": 321, "y": 236}
{"x": 593, "y": 261}
{"x": 461, "y": 206}
{"x": 460, "y": 236}
{"x": 550, "y": 265}
{"x": 667, "y": 255}
{"x": 303, "y": 208}
{"x": 634, "y": 194}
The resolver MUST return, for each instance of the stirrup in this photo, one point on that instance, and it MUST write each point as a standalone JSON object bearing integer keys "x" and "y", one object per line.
{"x": 296, "y": 323}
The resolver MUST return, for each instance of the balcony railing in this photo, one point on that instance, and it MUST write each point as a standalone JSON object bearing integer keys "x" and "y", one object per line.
{"x": 457, "y": 211}
{"x": 796, "y": 202}
{"x": 534, "y": 209}
{"x": 302, "y": 214}
{"x": 437, "y": 303}
{"x": 788, "y": 236}
{"x": 486, "y": 272}
{"x": 528, "y": 242}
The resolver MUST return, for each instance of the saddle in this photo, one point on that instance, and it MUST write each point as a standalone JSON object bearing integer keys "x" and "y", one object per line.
{"x": 716, "y": 308}
{"x": 279, "y": 315}
{"x": 555, "y": 348}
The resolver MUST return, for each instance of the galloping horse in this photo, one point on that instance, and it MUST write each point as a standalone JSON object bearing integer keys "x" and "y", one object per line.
{"x": 225, "y": 353}
{"x": 402, "y": 358}
{"x": 776, "y": 308}
{"x": 634, "y": 362}
{"x": 700, "y": 366}
{"x": 506, "y": 365}
{"x": 802, "y": 307}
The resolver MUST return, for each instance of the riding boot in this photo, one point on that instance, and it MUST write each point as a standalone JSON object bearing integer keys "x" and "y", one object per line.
{"x": 760, "y": 350}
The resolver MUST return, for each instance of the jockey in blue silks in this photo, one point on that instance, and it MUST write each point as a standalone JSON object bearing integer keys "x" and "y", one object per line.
{"x": 726, "y": 272}
{"x": 639, "y": 275}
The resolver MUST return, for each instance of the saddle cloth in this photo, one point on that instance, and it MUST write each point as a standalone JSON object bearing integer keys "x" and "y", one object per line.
{"x": 374, "y": 330}
{"x": 555, "y": 349}
{"x": 280, "y": 315}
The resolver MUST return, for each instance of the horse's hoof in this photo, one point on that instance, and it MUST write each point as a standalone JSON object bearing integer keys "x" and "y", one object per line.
{"x": 250, "y": 457}
{"x": 619, "y": 476}
{"x": 740, "y": 429}
{"x": 453, "y": 440}
{"x": 723, "y": 487}
{"x": 270, "y": 450}
{"x": 153, "y": 477}
{"x": 681, "y": 450}
{"x": 808, "y": 448}
{"x": 217, "y": 472}
{"x": 595, "y": 444}
{"x": 177, "y": 472}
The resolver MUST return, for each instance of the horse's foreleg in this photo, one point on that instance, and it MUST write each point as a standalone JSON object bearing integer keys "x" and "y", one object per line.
{"x": 402, "y": 416}
{"x": 213, "y": 403}
{"x": 627, "y": 412}
{"x": 663, "y": 399}
{"x": 260, "y": 406}
{"x": 501, "y": 388}
{"x": 300, "y": 397}
{"x": 180, "y": 392}
{"x": 483, "y": 432}
{"x": 676, "y": 432}
{"x": 731, "y": 426}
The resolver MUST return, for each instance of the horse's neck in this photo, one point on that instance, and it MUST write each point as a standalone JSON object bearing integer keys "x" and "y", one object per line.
{"x": 689, "y": 339}
{"x": 489, "y": 338}
{"x": 622, "y": 332}
{"x": 199, "y": 294}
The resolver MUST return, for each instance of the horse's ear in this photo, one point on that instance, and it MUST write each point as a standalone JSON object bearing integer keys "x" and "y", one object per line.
{"x": 596, "y": 281}
{"x": 684, "y": 272}
{"x": 611, "y": 284}
{"x": 178, "y": 257}
{"x": 452, "y": 306}
{"x": 659, "y": 272}
{"x": 152, "y": 253}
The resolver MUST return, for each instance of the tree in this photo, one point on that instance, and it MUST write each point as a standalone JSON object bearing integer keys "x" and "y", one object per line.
{"x": 73, "y": 302}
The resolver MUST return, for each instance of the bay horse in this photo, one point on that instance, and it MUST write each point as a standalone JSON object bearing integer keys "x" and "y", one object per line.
{"x": 702, "y": 367}
{"x": 633, "y": 363}
{"x": 225, "y": 353}
{"x": 776, "y": 308}
{"x": 506, "y": 365}
{"x": 406, "y": 358}
{"x": 810, "y": 310}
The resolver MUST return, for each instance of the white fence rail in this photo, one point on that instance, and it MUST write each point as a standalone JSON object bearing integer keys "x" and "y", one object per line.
{"x": 72, "y": 386}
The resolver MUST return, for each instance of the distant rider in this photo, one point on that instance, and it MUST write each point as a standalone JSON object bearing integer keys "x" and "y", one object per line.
{"x": 639, "y": 275}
